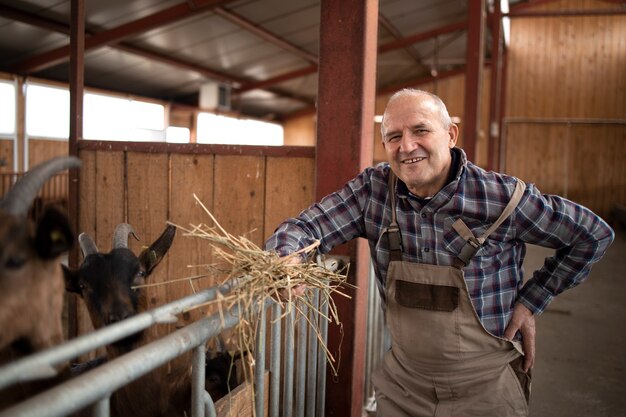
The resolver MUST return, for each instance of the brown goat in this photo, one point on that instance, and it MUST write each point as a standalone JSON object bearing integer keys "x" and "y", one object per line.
{"x": 31, "y": 279}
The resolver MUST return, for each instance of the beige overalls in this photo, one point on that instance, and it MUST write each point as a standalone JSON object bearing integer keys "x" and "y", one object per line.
{"x": 442, "y": 361}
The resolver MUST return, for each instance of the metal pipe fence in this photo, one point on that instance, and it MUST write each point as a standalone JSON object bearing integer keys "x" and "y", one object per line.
{"x": 95, "y": 387}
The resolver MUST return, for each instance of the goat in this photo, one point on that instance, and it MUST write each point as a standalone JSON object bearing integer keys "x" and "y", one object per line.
{"x": 31, "y": 279}
{"x": 107, "y": 282}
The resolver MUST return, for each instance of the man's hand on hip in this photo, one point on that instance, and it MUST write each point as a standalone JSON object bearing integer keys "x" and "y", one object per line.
{"x": 523, "y": 320}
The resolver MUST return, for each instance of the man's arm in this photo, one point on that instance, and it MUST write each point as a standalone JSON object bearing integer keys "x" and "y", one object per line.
{"x": 579, "y": 236}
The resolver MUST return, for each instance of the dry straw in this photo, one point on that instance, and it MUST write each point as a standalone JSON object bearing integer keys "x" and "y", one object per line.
{"x": 261, "y": 275}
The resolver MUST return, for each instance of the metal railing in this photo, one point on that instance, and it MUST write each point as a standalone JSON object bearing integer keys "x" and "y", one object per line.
{"x": 96, "y": 386}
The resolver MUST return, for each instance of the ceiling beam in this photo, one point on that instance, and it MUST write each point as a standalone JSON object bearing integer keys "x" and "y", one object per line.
{"x": 117, "y": 34}
{"x": 272, "y": 38}
{"x": 565, "y": 13}
{"x": 278, "y": 79}
{"x": 397, "y": 35}
{"x": 422, "y": 36}
{"x": 390, "y": 46}
{"x": 51, "y": 25}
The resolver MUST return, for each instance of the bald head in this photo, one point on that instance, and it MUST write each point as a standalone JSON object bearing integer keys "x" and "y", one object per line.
{"x": 408, "y": 93}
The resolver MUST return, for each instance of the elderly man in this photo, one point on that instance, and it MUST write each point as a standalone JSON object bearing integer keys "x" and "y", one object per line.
{"x": 447, "y": 240}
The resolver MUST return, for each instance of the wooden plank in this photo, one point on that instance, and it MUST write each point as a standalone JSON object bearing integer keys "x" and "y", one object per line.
{"x": 190, "y": 174}
{"x": 147, "y": 177}
{"x": 240, "y": 195}
{"x": 239, "y": 403}
{"x": 40, "y": 150}
{"x": 537, "y": 155}
{"x": 87, "y": 214}
{"x": 6, "y": 155}
{"x": 109, "y": 196}
{"x": 596, "y": 174}
{"x": 289, "y": 189}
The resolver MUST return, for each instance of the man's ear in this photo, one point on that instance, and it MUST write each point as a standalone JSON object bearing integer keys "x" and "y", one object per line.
{"x": 453, "y": 132}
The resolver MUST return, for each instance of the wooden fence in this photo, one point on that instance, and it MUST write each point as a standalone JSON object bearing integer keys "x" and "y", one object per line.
{"x": 249, "y": 190}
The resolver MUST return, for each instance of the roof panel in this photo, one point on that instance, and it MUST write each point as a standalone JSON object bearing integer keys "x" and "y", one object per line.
{"x": 212, "y": 41}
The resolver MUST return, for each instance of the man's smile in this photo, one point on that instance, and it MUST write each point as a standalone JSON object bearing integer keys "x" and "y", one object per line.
{"x": 413, "y": 160}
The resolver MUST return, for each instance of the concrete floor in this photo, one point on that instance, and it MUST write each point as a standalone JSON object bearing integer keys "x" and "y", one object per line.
{"x": 580, "y": 370}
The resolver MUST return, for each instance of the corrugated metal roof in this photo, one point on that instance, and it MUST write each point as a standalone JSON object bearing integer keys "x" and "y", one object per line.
{"x": 241, "y": 43}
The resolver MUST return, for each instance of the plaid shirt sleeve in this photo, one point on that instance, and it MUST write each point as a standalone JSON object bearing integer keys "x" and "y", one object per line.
{"x": 579, "y": 236}
{"x": 336, "y": 219}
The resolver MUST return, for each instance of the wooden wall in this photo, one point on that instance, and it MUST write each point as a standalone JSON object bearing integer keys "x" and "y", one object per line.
{"x": 565, "y": 124}
{"x": 250, "y": 190}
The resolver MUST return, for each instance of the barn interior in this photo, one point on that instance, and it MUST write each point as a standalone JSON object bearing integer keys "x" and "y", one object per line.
{"x": 536, "y": 87}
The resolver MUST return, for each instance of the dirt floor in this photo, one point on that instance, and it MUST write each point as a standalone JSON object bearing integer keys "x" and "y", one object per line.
{"x": 580, "y": 369}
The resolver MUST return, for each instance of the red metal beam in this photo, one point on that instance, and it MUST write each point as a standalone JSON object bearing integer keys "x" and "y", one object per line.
{"x": 473, "y": 76}
{"x": 493, "y": 145}
{"x": 264, "y": 34}
{"x": 348, "y": 37}
{"x": 566, "y": 13}
{"x": 77, "y": 42}
{"x": 386, "y": 23}
{"x": 422, "y": 36}
{"x": 278, "y": 79}
{"x": 117, "y": 34}
{"x": 34, "y": 20}
{"x": 391, "y": 46}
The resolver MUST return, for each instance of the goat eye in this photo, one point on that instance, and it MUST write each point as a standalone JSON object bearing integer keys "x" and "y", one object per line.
{"x": 15, "y": 262}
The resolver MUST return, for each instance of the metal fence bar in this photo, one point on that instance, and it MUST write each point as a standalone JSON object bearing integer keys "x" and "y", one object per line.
{"x": 321, "y": 363}
{"x": 259, "y": 365}
{"x": 275, "y": 361}
{"x": 301, "y": 360}
{"x": 197, "y": 381}
{"x": 86, "y": 389}
{"x": 289, "y": 360}
{"x": 34, "y": 366}
{"x": 102, "y": 408}
{"x": 311, "y": 386}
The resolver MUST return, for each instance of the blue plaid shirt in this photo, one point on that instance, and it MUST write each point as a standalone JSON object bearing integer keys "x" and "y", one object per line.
{"x": 494, "y": 276}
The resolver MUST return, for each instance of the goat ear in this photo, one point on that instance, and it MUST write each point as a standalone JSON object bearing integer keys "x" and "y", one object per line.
{"x": 71, "y": 280}
{"x": 153, "y": 255}
{"x": 54, "y": 234}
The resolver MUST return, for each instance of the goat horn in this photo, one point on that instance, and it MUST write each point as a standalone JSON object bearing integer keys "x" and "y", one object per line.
{"x": 87, "y": 245}
{"x": 120, "y": 237}
{"x": 19, "y": 198}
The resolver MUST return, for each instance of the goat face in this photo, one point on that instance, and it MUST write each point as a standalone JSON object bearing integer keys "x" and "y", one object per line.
{"x": 31, "y": 283}
{"x": 108, "y": 282}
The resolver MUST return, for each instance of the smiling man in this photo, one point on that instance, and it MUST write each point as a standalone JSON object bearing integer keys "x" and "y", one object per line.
{"x": 447, "y": 241}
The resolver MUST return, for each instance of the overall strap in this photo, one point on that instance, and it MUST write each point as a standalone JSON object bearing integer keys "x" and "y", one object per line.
{"x": 472, "y": 243}
{"x": 394, "y": 239}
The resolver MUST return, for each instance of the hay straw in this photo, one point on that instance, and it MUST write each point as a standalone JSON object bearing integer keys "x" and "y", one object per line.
{"x": 261, "y": 274}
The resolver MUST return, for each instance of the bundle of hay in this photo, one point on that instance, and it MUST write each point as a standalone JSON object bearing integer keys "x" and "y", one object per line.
{"x": 260, "y": 275}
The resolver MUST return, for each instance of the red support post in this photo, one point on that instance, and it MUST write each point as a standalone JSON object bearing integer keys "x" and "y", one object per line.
{"x": 345, "y": 123}
{"x": 473, "y": 76}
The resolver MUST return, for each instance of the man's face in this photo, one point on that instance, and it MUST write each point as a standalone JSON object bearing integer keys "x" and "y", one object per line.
{"x": 417, "y": 144}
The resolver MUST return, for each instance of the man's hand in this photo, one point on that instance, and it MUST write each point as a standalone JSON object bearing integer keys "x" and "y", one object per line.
{"x": 298, "y": 290}
{"x": 523, "y": 320}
